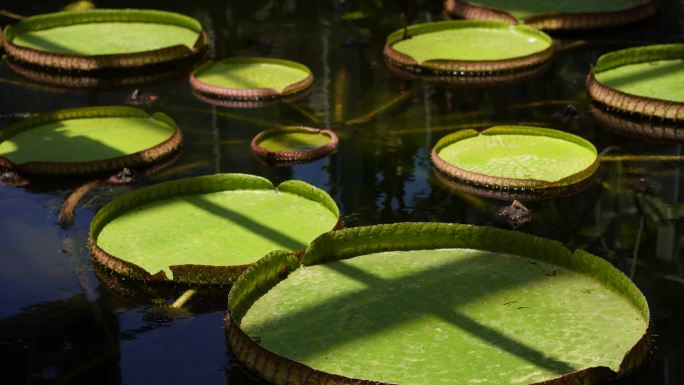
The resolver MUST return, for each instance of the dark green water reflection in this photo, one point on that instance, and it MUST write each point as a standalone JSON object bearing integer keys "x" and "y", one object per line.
{"x": 59, "y": 323}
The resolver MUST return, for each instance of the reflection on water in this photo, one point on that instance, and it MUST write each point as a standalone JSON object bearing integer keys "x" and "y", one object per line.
{"x": 59, "y": 323}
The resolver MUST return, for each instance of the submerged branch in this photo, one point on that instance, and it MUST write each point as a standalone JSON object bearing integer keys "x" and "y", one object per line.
{"x": 403, "y": 96}
{"x": 642, "y": 158}
{"x": 304, "y": 112}
{"x": 11, "y": 15}
{"x": 66, "y": 212}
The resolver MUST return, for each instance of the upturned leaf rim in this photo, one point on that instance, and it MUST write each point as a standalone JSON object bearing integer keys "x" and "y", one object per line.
{"x": 137, "y": 159}
{"x": 293, "y": 156}
{"x": 495, "y": 182}
{"x": 626, "y": 102}
{"x": 192, "y": 274}
{"x": 557, "y": 21}
{"x": 101, "y": 63}
{"x": 465, "y": 67}
{"x": 351, "y": 242}
{"x": 249, "y": 94}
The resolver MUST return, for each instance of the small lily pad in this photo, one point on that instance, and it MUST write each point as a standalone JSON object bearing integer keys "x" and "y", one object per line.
{"x": 645, "y": 80}
{"x": 467, "y": 47}
{"x": 208, "y": 229}
{"x": 554, "y": 15}
{"x": 516, "y": 157}
{"x": 251, "y": 78}
{"x": 104, "y": 39}
{"x": 434, "y": 303}
{"x": 88, "y": 140}
{"x": 293, "y": 144}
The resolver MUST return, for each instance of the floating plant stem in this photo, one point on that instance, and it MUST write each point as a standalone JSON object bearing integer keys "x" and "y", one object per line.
{"x": 66, "y": 212}
{"x": 32, "y": 86}
{"x": 161, "y": 311}
{"x": 185, "y": 297}
{"x": 403, "y": 96}
{"x": 592, "y": 43}
{"x": 303, "y": 111}
{"x": 543, "y": 103}
{"x": 340, "y": 95}
{"x": 635, "y": 253}
{"x": 228, "y": 116}
{"x": 11, "y": 15}
{"x": 641, "y": 158}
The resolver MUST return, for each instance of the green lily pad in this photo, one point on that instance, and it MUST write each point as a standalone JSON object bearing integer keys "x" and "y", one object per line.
{"x": 207, "y": 229}
{"x": 98, "y": 39}
{"x": 516, "y": 157}
{"x": 469, "y": 46}
{"x": 575, "y": 14}
{"x": 437, "y": 303}
{"x": 251, "y": 78}
{"x": 87, "y": 140}
{"x": 646, "y": 80}
{"x": 293, "y": 144}
{"x": 524, "y": 8}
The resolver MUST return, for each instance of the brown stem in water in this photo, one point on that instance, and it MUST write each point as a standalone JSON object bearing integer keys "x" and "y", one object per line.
{"x": 405, "y": 95}
{"x": 66, "y": 212}
{"x": 307, "y": 114}
{"x": 11, "y": 15}
{"x": 340, "y": 94}
{"x": 642, "y": 158}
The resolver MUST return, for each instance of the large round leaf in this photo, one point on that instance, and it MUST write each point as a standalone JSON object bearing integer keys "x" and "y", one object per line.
{"x": 468, "y": 47}
{"x": 437, "y": 304}
{"x": 646, "y": 80}
{"x": 87, "y": 140}
{"x": 248, "y": 78}
{"x": 206, "y": 230}
{"x": 552, "y": 15}
{"x": 102, "y": 39}
{"x": 516, "y": 157}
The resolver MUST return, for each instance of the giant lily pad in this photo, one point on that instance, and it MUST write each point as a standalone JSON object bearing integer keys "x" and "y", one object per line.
{"x": 467, "y": 47}
{"x": 250, "y": 78}
{"x": 88, "y": 140}
{"x": 206, "y": 230}
{"x": 516, "y": 157}
{"x": 430, "y": 303}
{"x": 645, "y": 80}
{"x": 102, "y": 39}
{"x": 552, "y": 15}
{"x": 293, "y": 144}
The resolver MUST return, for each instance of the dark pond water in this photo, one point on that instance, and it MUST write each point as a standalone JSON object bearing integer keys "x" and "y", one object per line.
{"x": 60, "y": 323}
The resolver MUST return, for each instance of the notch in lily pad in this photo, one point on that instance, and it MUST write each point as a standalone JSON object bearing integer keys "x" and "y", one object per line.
{"x": 100, "y": 40}
{"x": 286, "y": 146}
{"x": 206, "y": 230}
{"x": 529, "y": 163}
{"x": 91, "y": 140}
{"x": 250, "y": 79}
{"x": 644, "y": 80}
{"x": 467, "y": 48}
{"x": 556, "y": 15}
{"x": 437, "y": 303}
